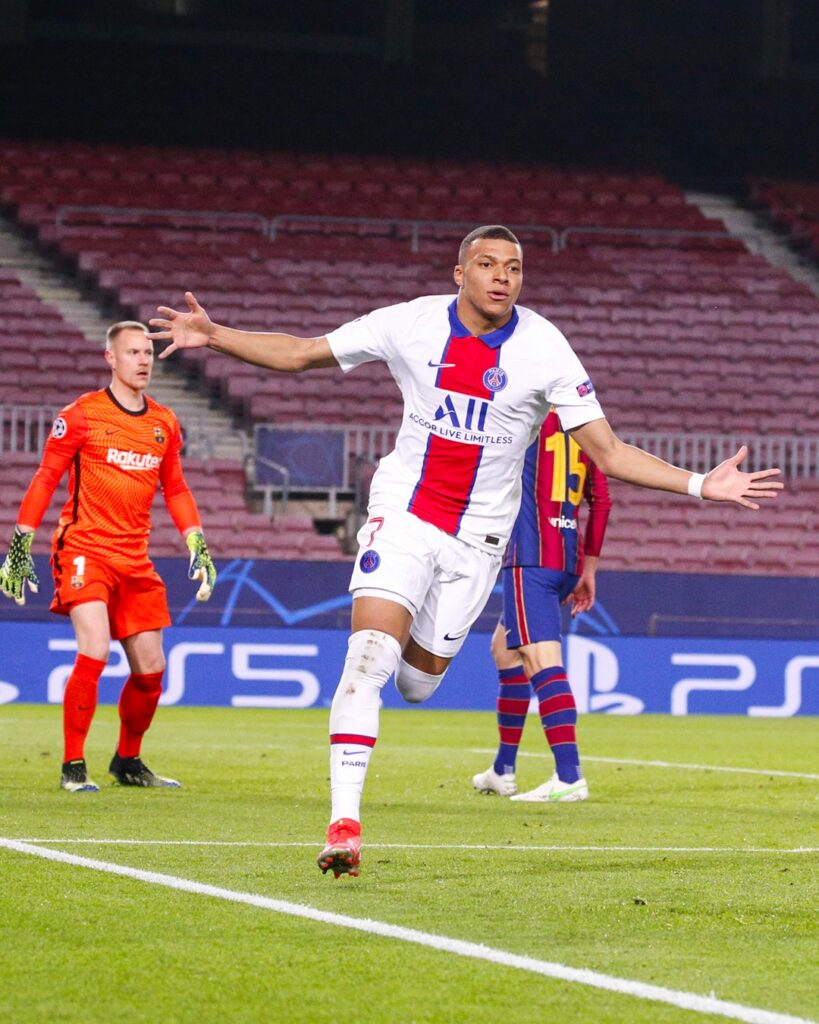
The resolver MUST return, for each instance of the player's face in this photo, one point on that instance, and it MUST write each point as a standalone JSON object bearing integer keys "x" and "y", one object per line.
{"x": 131, "y": 358}
{"x": 489, "y": 279}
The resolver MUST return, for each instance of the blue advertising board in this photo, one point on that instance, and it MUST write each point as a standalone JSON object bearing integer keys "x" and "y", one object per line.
{"x": 298, "y": 668}
{"x": 277, "y": 594}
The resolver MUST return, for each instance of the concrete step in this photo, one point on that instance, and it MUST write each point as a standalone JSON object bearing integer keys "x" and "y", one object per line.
{"x": 209, "y": 431}
{"x": 755, "y": 227}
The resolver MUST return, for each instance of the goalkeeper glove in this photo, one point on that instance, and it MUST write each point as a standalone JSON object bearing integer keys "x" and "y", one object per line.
{"x": 18, "y": 568}
{"x": 201, "y": 565}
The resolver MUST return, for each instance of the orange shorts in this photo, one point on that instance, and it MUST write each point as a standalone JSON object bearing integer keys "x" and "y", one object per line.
{"x": 134, "y": 593}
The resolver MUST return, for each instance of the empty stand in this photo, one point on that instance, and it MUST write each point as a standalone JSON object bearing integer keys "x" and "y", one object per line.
{"x": 680, "y": 326}
{"x": 794, "y": 205}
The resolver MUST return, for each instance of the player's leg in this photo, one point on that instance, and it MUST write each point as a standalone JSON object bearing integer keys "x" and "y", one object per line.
{"x": 379, "y": 627}
{"x": 139, "y": 612}
{"x": 513, "y": 699}
{"x": 138, "y": 702}
{"x": 378, "y": 630}
{"x": 391, "y": 575}
{"x": 90, "y": 622}
{"x": 542, "y": 657}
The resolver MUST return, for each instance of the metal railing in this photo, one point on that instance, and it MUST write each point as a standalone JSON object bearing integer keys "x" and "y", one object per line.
{"x": 797, "y": 457}
{"x": 25, "y": 428}
{"x": 414, "y": 228}
{"x": 754, "y": 242}
{"x": 399, "y": 228}
{"x": 362, "y": 445}
{"x": 134, "y": 215}
{"x": 269, "y": 490}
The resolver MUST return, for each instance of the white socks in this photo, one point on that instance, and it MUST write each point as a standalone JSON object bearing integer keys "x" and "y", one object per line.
{"x": 372, "y": 657}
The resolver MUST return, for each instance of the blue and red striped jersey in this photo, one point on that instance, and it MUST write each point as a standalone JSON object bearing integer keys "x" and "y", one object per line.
{"x": 557, "y": 475}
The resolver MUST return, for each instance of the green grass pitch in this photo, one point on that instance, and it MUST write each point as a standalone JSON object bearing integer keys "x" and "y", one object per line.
{"x": 686, "y": 878}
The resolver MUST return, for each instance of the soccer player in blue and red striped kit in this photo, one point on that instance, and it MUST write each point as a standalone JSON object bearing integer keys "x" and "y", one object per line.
{"x": 546, "y": 563}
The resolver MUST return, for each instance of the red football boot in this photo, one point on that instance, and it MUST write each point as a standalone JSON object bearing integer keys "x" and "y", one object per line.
{"x": 342, "y": 854}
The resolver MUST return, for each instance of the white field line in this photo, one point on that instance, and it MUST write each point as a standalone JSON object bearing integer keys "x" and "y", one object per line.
{"x": 473, "y": 950}
{"x": 425, "y": 846}
{"x": 669, "y": 764}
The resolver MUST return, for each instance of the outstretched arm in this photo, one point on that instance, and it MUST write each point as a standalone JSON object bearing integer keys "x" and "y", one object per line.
{"x": 193, "y": 328}
{"x": 726, "y": 482}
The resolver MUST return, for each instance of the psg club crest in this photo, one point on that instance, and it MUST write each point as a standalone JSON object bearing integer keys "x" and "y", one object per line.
{"x": 495, "y": 379}
{"x": 370, "y": 561}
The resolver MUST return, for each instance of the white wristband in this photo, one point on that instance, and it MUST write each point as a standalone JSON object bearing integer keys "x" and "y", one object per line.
{"x": 695, "y": 482}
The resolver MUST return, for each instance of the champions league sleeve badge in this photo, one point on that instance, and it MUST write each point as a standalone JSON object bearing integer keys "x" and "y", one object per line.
{"x": 369, "y": 561}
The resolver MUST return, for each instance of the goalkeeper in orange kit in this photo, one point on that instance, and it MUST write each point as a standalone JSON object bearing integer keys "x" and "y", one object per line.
{"x": 118, "y": 446}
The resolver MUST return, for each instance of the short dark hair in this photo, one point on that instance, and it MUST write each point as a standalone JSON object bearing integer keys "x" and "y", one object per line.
{"x": 487, "y": 231}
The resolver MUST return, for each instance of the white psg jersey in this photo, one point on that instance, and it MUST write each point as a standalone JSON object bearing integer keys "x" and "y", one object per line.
{"x": 472, "y": 406}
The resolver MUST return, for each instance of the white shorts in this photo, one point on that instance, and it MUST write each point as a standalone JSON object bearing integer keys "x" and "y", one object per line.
{"x": 442, "y": 581}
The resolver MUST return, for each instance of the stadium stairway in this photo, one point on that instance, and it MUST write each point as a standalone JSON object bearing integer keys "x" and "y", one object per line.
{"x": 744, "y": 223}
{"x": 53, "y": 349}
{"x": 207, "y": 429}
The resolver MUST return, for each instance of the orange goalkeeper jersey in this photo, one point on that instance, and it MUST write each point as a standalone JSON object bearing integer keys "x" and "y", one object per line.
{"x": 116, "y": 459}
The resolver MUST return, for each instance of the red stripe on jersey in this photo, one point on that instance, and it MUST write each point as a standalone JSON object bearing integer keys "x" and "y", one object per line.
{"x": 442, "y": 493}
{"x": 352, "y": 737}
{"x": 520, "y": 606}
{"x": 472, "y": 358}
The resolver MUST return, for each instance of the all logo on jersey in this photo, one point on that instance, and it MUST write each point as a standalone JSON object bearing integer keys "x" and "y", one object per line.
{"x": 495, "y": 379}
{"x": 471, "y": 418}
{"x": 369, "y": 561}
{"x": 60, "y": 428}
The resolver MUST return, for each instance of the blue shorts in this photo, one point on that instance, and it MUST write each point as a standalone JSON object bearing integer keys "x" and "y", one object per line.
{"x": 531, "y": 603}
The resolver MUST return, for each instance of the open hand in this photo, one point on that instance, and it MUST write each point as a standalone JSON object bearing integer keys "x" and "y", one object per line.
{"x": 726, "y": 482}
{"x": 582, "y": 597}
{"x": 190, "y": 329}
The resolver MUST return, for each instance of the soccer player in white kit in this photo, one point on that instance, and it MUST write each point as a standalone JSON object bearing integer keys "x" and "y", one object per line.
{"x": 478, "y": 375}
